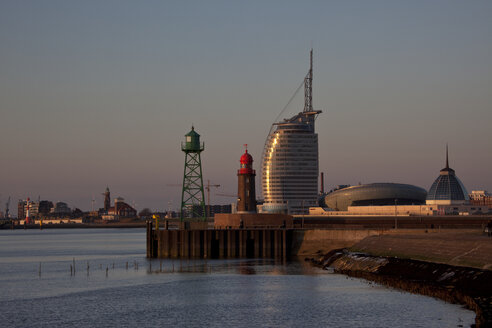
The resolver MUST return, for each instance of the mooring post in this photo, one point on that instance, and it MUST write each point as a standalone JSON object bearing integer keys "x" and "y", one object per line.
{"x": 242, "y": 244}
{"x": 148, "y": 238}
{"x": 163, "y": 244}
{"x": 284, "y": 244}
{"x": 231, "y": 249}
{"x": 276, "y": 243}
{"x": 222, "y": 244}
{"x": 206, "y": 243}
{"x": 256, "y": 235}
{"x": 174, "y": 243}
{"x": 184, "y": 243}
{"x": 267, "y": 246}
{"x": 194, "y": 243}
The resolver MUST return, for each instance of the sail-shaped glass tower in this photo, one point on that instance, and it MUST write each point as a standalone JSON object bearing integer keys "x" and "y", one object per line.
{"x": 290, "y": 159}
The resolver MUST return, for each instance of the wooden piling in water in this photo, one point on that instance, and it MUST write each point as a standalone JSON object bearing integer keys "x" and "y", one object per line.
{"x": 220, "y": 243}
{"x": 257, "y": 250}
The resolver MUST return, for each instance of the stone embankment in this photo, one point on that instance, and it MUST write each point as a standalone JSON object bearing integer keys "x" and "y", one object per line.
{"x": 471, "y": 248}
{"x": 469, "y": 286}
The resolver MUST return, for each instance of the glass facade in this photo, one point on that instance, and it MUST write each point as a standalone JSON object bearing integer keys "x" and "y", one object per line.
{"x": 447, "y": 187}
{"x": 290, "y": 165}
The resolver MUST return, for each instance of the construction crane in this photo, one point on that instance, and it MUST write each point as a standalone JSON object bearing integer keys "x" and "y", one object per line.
{"x": 207, "y": 187}
{"x": 7, "y": 208}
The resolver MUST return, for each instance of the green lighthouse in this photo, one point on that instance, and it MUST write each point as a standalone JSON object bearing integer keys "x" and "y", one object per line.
{"x": 192, "y": 196}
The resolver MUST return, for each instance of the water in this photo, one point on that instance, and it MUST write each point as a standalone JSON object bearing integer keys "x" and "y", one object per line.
{"x": 189, "y": 293}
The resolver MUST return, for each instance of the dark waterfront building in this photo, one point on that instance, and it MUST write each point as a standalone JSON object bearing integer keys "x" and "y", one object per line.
{"x": 374, "y": 194}
{"x": 61, "y": 209}
{"x": 21, "y": 213}
{"x": 45, "y": 207}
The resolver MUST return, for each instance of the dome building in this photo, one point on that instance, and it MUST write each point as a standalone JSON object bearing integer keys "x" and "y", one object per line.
{"x": 373, "y": 194}
{"x": 447, "y": 189}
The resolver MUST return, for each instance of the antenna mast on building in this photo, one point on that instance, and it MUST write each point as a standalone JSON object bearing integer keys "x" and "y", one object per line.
{"x": 447, "y": 158}
{"x": 308, "y": 86}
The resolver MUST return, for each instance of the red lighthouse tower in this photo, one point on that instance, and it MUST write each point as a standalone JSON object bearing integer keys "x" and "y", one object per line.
{"x": 246, "y": 195}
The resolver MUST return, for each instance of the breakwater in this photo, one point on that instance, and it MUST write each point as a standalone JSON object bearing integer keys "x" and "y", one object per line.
{"x": 463, "y": 285}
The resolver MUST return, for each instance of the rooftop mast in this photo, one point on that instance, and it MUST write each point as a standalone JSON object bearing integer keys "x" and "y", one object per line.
{"x": 447, "y": 161}
{"x": 308, "y": 86}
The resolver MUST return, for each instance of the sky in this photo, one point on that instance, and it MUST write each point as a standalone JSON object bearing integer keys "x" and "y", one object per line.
{"x": 101, "y": 93}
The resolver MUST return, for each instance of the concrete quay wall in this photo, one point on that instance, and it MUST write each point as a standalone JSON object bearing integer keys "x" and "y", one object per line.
{"x": 251, "y": 243}
{"x": 321, "y": 241}
{"x": 464, "y": 247}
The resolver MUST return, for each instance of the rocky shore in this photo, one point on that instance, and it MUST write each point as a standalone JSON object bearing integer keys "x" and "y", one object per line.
{"x": 470, "y": 287}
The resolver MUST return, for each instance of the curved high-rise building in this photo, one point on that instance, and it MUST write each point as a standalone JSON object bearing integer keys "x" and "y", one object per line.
{"x": 290, "y": 160}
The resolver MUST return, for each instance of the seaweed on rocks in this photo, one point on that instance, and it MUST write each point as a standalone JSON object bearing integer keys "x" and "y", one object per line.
{"x": 462, "y": 285}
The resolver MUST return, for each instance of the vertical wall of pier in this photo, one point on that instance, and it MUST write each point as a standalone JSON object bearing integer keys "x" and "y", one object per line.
{"x": 233, "y": 243}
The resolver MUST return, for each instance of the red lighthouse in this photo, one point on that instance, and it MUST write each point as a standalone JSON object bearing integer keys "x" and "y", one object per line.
{"x": 246, "y": 195}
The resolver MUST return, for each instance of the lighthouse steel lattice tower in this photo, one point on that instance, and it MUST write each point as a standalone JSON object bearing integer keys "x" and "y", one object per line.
{"x": 192, "y": 196}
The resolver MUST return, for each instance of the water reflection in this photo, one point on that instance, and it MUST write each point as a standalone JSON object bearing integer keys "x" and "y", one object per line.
{"x": 231, "y": 266}
{"x": 113, "y": 284}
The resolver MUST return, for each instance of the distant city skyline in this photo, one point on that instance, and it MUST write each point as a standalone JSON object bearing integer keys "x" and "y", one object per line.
{"x": 97, "y": 94}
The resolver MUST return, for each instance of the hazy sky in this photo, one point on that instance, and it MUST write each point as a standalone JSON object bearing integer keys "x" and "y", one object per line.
{"x": 101, "y": 93}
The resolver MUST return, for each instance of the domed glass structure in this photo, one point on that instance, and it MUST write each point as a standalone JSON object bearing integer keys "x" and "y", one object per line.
{"x": 447, "y": 188}
{"x": 373, "y": 194}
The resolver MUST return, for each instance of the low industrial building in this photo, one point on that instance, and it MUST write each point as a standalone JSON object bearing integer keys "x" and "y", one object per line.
{"x": 403, "y": 210}
{"x": 480, "y": 197}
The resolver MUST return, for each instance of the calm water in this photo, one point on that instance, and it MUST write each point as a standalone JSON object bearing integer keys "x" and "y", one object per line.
{"x": 114, "y": 285}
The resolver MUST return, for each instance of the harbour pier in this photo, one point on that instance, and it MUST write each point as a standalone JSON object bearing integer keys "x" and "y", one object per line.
{"x": 311, "y": 237}
{"x": 219, "y": 243}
